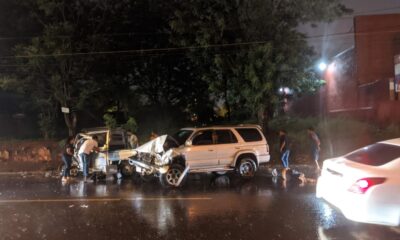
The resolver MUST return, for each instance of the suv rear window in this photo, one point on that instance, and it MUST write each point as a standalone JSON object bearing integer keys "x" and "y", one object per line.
{"x": 116, "y": 142}
{"x": 375, "y": 155}
{"x": 249, "y": 134}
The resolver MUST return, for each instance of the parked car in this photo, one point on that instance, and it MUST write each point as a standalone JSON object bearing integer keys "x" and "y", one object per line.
{"x": 365, "y": 184}
{"x": 217, "y": 149}
{"x": 115, "y": 151}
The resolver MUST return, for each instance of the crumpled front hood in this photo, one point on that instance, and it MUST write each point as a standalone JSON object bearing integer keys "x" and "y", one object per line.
{"x": 154, "y": 146}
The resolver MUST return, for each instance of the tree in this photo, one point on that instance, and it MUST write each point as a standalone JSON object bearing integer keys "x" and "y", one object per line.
{"x": 64, "y": 58}
{"x": 249, "y": 49}
{"x": 85, "y": 57}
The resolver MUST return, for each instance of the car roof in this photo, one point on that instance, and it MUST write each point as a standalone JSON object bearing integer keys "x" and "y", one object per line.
{"x": 395, "y": 141}
{"x": 224, "y": 127}
{"x": 100, "y": 129}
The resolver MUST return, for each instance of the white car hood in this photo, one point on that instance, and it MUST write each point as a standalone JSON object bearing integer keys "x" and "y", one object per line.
{"x": 153, "y": 146}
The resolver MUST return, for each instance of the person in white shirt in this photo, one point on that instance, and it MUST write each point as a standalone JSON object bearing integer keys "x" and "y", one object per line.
{"x": 84, "y": 153}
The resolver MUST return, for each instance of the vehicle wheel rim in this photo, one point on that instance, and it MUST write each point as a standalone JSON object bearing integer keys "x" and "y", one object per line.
{"x": 73, "y": 172}
{"x": 246, "y": 169}
{"x": 126, "y": 170}
{"x": 173, "y": 176}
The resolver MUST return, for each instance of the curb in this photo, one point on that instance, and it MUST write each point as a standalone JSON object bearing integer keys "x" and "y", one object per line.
{"x": 26, "y": 173}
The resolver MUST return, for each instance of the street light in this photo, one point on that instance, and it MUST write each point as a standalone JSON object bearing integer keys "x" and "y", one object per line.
{"x": 322, "y": 66}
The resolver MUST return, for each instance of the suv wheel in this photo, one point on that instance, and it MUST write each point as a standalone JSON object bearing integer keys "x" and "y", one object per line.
{"x": 126, "y": 169}
{"x": 246, "y": 168}
{"x": 219, "y": 173}
{"x": 171, "y": 177}
{"x": 73, "y": 171}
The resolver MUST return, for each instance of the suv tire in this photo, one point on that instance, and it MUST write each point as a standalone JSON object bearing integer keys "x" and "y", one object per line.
{"x": 126, "y": 169}
{"x": 171, "y": 177}
{"x": 246, "y": 168}
{"x": 73, "y": 171}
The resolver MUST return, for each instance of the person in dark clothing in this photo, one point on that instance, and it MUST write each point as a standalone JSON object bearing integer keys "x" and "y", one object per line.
{"x": 315, "y": 146}
{"x": 284, "y": 148}
{"x": 67, "y": 158}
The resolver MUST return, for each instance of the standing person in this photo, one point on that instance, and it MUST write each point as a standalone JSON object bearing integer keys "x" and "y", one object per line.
{"x": 153, "y": 135}
{"x": 84, "y": 153}
{"x": 284, "y": 149}
{"x": 133, "y": 140}
{"x": 67, "y": 158}
{"x": 315, "y": 145}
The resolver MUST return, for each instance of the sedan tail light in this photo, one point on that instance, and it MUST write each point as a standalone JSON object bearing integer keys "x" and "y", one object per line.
{"x": 362, "y": 185}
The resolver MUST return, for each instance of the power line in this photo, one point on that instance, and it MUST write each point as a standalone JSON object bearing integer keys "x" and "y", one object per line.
{"x": 164, "y": 50}
{"x": 376, "y": 10}
{"x": 133, "y": 34}
{"x": 341, "y": 34}
{"x": 139, "y": 51}
{"x": 355, "y": 14}
{"x": 130, "y": 34}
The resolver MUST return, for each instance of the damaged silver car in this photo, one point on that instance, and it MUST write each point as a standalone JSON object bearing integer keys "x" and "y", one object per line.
{"x": 112, "y": 158}
{"x": 217, "y": 149}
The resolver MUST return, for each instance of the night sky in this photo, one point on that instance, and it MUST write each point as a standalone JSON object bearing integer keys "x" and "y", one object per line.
{"x": 329, "y": 46}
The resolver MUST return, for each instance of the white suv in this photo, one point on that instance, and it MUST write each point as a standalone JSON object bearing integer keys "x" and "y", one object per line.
{"x": 216, "y": 149}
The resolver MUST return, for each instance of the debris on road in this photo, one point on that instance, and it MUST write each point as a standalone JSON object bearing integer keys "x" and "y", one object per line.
{"x": 47, "y": 174}
{"x": 293, "y": 174}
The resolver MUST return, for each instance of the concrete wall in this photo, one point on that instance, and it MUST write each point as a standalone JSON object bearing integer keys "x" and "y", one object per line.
{"x": 29, "y": 151}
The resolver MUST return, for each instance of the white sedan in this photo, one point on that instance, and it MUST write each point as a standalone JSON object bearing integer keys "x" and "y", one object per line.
{"x": 365, "y": 184}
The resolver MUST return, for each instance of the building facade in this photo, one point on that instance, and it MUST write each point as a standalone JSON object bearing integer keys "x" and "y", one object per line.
{"x": 362, "y": 81}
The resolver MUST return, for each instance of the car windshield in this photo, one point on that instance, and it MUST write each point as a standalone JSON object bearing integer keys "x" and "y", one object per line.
{"x": 182, "y": 135}
{"x": 375, "y": 155}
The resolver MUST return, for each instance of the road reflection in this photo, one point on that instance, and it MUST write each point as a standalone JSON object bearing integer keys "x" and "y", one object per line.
{"x": 231, "y": 201}
{"x": 181, "y": 207}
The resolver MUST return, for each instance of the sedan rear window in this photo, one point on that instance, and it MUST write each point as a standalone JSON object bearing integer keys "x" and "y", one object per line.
{"x": 249, "y": 134}
{"x": 375, "y": 154}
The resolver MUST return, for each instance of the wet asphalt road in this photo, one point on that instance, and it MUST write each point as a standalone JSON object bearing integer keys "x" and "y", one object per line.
{"x": 206, "y": 208}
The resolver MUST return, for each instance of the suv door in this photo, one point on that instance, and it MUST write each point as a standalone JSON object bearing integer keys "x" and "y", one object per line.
{"x": 226, "y": 147}
{"x": 202, "y": 153}
{"x": 117, "y": 144}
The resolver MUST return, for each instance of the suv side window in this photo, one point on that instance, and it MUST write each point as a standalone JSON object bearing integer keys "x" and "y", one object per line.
{"x": 101, "y": 139}
{"x": 225, "y": 137}
{"x": 203, "y": 138}
{"x": 117, "y": 141}
{"x": 249, "y": 134}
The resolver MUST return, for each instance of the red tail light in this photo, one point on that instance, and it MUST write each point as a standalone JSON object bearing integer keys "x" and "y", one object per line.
{"x": 362, "y": 185}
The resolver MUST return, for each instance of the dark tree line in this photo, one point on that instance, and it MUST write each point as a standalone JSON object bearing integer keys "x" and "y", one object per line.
{"x": 199, "y": 61}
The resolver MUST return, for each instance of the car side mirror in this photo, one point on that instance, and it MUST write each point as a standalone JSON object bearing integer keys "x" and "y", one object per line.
{"x": 188, "y": 143}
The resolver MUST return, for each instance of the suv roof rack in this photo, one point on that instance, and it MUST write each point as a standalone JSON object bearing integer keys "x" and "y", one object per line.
{"x": 227, "y": 126}
{"x": 95, "y": 129}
